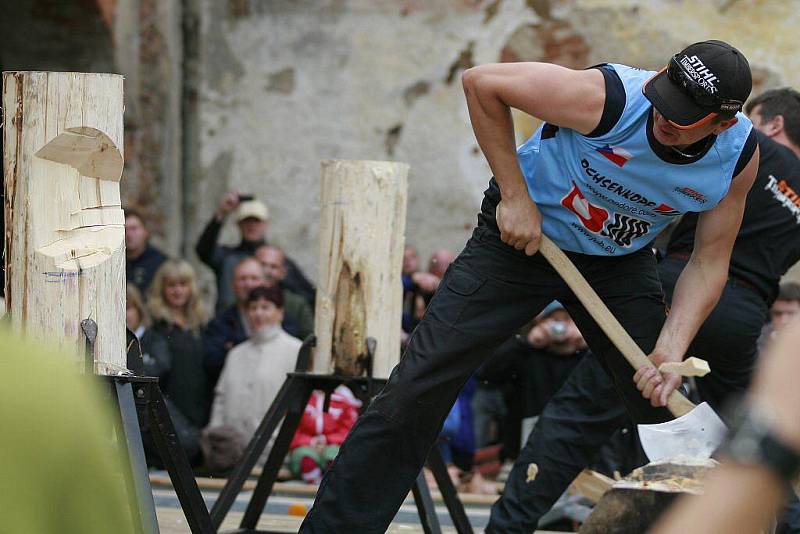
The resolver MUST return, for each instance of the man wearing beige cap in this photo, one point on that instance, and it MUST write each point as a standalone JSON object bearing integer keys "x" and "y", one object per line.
{"x": 252, "y": 218}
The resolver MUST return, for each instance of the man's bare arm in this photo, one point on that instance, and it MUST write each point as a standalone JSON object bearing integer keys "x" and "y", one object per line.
{"x": 699, "y": 285}
{"x": 561, "y": 96}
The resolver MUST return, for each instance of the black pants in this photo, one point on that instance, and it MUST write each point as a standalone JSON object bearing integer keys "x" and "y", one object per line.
{"x": 490, "y": 291}
{"x": 585, "y": 412}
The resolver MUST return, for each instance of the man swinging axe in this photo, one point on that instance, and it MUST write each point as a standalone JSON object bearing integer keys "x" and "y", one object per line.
{"x": 674, "y": 140}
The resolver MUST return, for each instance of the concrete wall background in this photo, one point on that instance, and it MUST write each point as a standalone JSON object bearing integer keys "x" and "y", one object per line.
{"x": 293, "y": 83}
{"x": 285, "y": 84}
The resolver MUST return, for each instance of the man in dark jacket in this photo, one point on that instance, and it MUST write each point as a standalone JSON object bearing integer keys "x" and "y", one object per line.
{"x": 142, "y": 260}
{"x": 273, "y": 261}
{"x": 530, "y": 368}
{"x": 252, "y": 218}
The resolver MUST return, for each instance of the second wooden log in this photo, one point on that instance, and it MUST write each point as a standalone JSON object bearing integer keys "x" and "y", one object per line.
{"x": 361, "y": 236}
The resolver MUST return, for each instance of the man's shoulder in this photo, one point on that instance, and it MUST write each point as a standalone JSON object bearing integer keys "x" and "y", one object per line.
{"x": 624, "y": 103}
{"x": 154, "y": 254}
{"x": 629, "y": 70}
{"x": 778, "y": 170}
{"x": 772, "y": 152}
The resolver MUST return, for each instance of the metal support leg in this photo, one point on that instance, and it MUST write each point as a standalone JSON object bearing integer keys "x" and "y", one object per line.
{"x": 174, "y": 458}
{"x": 425, "y": 506}
{"x": 276, "y": 457}
{"x": 143, "y": 508}
{"x": 256, "y": 446}
{"x": 449, "y": 494}
{"x": 291, "y": 402}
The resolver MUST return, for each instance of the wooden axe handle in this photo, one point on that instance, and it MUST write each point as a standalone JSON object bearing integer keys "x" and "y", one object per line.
{"x": 677, "y": 403}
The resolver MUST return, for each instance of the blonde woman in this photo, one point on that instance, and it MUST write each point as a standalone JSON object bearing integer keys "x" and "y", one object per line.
{"x": 179, "y": 316}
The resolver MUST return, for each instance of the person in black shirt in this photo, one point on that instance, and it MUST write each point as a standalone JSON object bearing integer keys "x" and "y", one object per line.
{"x": 767, "y": 245}
{"x": 142, "y": 260}
{"x": 529, "y": 368}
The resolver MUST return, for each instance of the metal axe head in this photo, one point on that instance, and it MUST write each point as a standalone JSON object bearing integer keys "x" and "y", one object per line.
{"x": 696, "y": 434}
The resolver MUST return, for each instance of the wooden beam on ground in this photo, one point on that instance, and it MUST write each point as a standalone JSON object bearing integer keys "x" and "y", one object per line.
{"x": 591, "y": 484}
{"x": 361, "y": 236}
{"x": 64, "y": 242}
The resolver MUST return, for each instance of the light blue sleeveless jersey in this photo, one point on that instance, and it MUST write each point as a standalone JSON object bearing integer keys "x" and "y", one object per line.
{"x": 611, "y": 195}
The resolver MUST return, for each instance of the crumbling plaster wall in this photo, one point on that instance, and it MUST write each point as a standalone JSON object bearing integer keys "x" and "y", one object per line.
{"x": 286, "y": 84}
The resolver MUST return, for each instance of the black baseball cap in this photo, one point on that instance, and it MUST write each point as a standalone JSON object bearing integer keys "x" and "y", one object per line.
{"x": 703, "y": 80}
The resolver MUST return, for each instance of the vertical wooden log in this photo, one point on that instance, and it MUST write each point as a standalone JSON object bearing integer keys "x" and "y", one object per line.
{"x": 361, "y": 236}
{"x": 65, "y": 229}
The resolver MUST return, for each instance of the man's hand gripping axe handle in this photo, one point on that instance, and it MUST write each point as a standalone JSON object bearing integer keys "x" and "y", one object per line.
{"x": 677, "y": 403}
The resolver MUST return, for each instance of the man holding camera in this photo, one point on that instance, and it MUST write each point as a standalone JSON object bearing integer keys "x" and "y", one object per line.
{"x": 525, "y": 372}
{"x": 252, "y": 218}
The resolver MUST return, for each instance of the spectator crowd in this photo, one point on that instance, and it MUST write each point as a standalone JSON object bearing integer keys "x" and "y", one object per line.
{"x": 221, "y": 366}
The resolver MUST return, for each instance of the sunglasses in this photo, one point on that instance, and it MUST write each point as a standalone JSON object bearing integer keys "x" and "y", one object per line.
{"x": 678, "y": 75}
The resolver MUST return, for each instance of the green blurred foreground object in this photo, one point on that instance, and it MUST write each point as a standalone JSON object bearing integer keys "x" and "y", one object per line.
{"x": 60, "y": 470}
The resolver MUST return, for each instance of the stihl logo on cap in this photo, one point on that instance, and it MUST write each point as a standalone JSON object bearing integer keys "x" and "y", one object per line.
{"x": 695, "y": 68}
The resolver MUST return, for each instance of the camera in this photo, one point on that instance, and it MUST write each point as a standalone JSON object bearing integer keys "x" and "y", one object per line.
{"x": 556, "y": 330}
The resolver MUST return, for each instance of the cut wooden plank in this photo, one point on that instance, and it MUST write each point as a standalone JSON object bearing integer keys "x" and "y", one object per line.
{"x": 591, "y": 484}
{"x": 688, "y": 367}
{"x": 64, "y": 243}
{"x": 361, "y": 236}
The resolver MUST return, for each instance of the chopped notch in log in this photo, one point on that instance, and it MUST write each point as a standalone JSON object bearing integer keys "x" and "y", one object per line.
{"x": 88, "y": 150}
{"x": 91, "y": 233}
{"x": 349, "y": 326}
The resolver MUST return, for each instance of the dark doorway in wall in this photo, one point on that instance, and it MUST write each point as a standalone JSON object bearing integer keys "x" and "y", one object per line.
{"x": 53, "y": 35}
{"x": 57, "y": 35}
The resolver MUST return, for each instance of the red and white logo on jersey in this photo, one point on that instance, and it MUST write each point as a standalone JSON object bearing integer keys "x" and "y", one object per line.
{"x": 664, "y": 209}
{"x": 592, "y": 217}
{"x": 617, "y": 155}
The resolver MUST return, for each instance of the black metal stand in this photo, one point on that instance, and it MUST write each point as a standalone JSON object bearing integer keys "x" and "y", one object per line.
{"x": 142, "y": 407}
{"x": 141, "y": 402}
{"x": 291, "y": 402}
{"x": 137, "y": 482}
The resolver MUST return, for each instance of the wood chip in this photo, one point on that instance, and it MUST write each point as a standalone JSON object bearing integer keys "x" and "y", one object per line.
{"x": 533, "y": 470}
